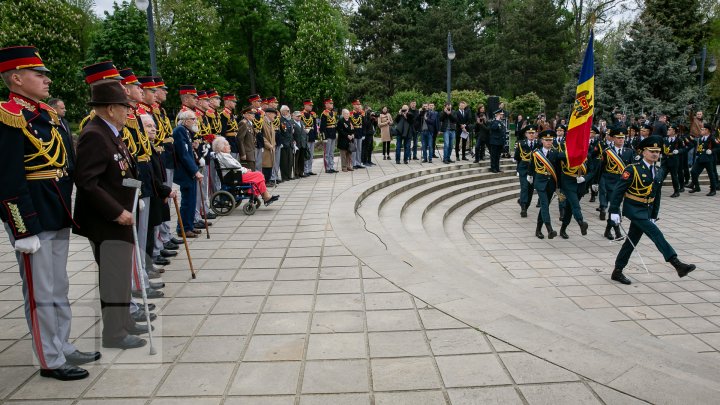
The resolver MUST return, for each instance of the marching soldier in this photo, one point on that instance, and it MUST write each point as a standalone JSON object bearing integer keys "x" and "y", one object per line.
{"x": 523, "y": 156}
{"x": 639, "y": 191}
{"x": 705, "y": 144}
{"x": 672, "y": 145}
{"x": 615, "y": 159}
{"x": 595, "y": 151}
{"x": 309, "y": 120}
{"x": 328, "y": 123}
{"x": 36, "y": 211}
{"x": 229, "y": 124}
{"x": 573, "y": 183}
{"x": 543, "y": 174}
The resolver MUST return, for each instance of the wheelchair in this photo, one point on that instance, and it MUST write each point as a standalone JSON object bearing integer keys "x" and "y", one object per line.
{"x": 233, "y": 191}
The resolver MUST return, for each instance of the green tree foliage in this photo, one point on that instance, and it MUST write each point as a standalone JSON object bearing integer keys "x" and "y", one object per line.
{"x": 529, "y": 105}
{"x": 55, "y": 28}
{"x": 123, "y": 38}
{"x": 687, "y": 25}
{"x": 315, "y": 62}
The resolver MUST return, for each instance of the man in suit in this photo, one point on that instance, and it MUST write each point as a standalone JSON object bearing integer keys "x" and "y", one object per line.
{"x": 59, "y": 106}
{"x": 496, "y": 140}
{"x": 543, "y": 174}
{"x": 35, "y": 210}
{"x": 103, "y": 209}
{"x": 287, "y": 129}
{"x": 464, "y": 125}
{"x": 187, "y": 172}
{"x": 639, "y": 191}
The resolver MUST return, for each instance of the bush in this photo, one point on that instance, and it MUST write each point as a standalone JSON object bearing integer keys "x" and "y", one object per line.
{"x": 403, "y": 97}
{"x": 473, "y": 98}
{"x": 529, "y": 105}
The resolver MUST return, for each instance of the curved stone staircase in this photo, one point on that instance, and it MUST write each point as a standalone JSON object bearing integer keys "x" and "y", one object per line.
{"x": 409, "y": 228}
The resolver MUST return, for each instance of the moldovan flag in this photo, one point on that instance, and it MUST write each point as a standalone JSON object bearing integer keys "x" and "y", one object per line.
{"x": 581, "y": 118}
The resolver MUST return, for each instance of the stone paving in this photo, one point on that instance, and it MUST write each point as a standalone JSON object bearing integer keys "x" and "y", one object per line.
{"x": 282, "y": 312}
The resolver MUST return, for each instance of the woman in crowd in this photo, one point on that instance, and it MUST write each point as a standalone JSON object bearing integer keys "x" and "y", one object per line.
{"x": 345, "y": 139}
{"x": 221, "y": 147}
{"x": 385, "y": 120}
{"x": 404, "y": 129}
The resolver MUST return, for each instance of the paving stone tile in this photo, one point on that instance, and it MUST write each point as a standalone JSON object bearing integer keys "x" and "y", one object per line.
{"x": 528, "y": 369}
{"x": 339, "y": 302}
{"x": 335, "y": 376}
{"x": 208, "y": 349}
{"x": 332, "y": 322}
{"x": 696, "y": 325}
{"x": 345, "y": 399}
{"x": 275, "y": 347}
{"x": 471, "y": 370}
{"x": 115, "y": 381}
{"x": 687, "y": 341}
{"x": 486, "y": 395}
{"x": 255, "y": 275}
{"x": 238, "y": 305}
{"x": 288, "y": 303}
{"x": 434, "y": 319}
{"x": 247, "y": 288}
{"x": 168, "y": 350}
{"x": 713, "y": 339}
{"x": 196, "y": 379}
{"x": 404, "y": 374}
{"x": 552, "y": 394}
{"x": 186, "y": 401}
{"x": 409, "y": 398}
{"x": 342, "y": 286}
{"x": 399, "y": 300}
{"x": 291, "y": 287}
{"x": 282, "y": 323}
{"x": 397, "y": 344}
{"x": 177, "y": 325}
{"x": 457, "y": 341}
{"x": 227, "y": 324}
{"x": 392, "y": 320}
{"x": 660, "y": 326}
{"x": 337, "y": 346}
{"x": 12, "y": 377}
{"x": 39, "y": 387}
{"x": 253, "y": 378}
{"x": 611, "y": 396}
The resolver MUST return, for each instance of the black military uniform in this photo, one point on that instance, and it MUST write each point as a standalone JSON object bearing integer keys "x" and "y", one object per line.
{"x": 613, "y": 163}
{"x": 523, "y": 156}
{"x": 672, "y": 147}
{"x": 595, "y": 152}
{"x": 229, "y": 127}
{"x": 639, "y": 191}
{"x": 543, "y": 174}
{"x": 704, "y": 145}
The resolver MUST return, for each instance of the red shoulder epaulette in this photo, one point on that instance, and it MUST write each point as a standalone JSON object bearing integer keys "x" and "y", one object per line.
{"x": 11, "y": 107}
{"x": 11, "y": 115}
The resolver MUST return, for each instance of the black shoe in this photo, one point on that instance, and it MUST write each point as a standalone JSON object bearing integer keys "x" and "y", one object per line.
{"x": 139, "y": 316}
{"x": 551, "y": 233}
{"x": 406, "y": 162}
{"x": 77, "y": 357}
{"x": 711, "y": 193}
{"x": 694, "y": 190}
{"x": 563, "y": 234}
{"x": 66, "y": 372}
{"x": 583, "y": 228}
{"x": 682, "y": 189}
{"x": 451, "y": 161}
{"x": 312, "y": 174}
{"x": 161, "y": 261}
{"x": 156, "y": 285}
{"x": 272, "y": 200}
{"x": 537, "y": 204}
{"x": 211, "y": 215}
{"x": 465, "y": 158}
{"x": 415, "y": 158}
{"x": 151, "y": 293}
{"x": 675, "y": 195}
{"x": 176, "y": 241}
{"x": 201, "y": 224}
{"x": 128, "y": 342}
{"x": 171, "y": 246}
{"x": 592, "y": 198}
{"x": 538, "y": 232}
{"x": 607, "y": 233}
{"x": 140, "y": 329}
{"x": 602, "y": 215}
{"x": 476, "y": 161}
{"x": 618, "y": 234}
{"x": 682, "y": 268}
{"x": 397, "y": 162}
{"x": 424, "y": 161}
{"x": 617, "y": 275}
{"x": 168, "y": 253}
{"x": 523, "y": 213}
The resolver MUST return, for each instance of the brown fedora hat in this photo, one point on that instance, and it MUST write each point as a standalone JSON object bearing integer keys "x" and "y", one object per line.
{"x": 108, "y": 92}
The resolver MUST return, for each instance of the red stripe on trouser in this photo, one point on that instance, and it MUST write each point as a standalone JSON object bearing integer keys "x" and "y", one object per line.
{"x": 135, "y": 271}
{"x": 35, "y": 328}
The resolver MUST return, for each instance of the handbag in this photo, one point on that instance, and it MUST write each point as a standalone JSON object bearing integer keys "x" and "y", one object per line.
{"x": 352, "y": 147}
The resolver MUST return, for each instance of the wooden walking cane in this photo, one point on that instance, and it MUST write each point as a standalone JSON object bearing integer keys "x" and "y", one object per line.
{"x": 202, "y": 209}
{"x": 182, "y": 230}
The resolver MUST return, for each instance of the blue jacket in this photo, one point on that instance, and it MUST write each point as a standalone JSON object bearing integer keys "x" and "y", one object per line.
{"x": 185, "y": 168}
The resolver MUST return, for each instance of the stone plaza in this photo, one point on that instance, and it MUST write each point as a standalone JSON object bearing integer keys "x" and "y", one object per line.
{"x": 400, "y": 284}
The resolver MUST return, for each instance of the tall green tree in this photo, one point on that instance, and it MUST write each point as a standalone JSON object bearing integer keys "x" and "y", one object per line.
{"x": 315, "y": 63}
{"x": 123, "y": 38}
{"x": 687, "y": 25}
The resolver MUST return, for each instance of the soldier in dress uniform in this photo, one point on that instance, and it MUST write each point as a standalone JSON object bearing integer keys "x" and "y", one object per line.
{"x": 328, "y": 131}
{"x": 639, "y": 191}
{"x": 229, "y": 123}
{"x": 358, "y": 120}
{"x": 300, "y": 141}
{"x": 268, "y": 139}
{"x": 595, "y": 151}
{"x": 310, "y": 124}
{"x": 615, "y": 158}
{"x": 35, "y": 210}
{"x": 543, "y": 174}
{"x": 97, "y": 72}
{"x": 258, "y": 121}
{"x": 246, "y": 138}
{"x": 559, "y": 141}
{"x": 672, "y": 145}
{"x": 523, "y": 156}
{"x": 704, "y": 146}
{"x": 573, "y": 184}
{"x": 204, "y": 140}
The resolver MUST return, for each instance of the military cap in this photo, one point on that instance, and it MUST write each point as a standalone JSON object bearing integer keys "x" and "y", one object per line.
{"x": 673, "y": 126}
{"x": 212, "y": 93}
{"x": 101, "y": 71}
{"x": 229, "y": 97}
{"x": 328, "y": 101}
{"x": 635, "y": 127}
{"x": 618, "y": 132}
{"x": 595, "y": 129}
{"x": 247, "y": 109}
{"x": 160, "y": 82}
{"x": 547, "y": 134}
{"x": 147, "y": 82}
{"x": 530, "y": 128}
{"x": 202, "y": 94}
{"x": 707, "y": 126}
{"x": 21, "y": 57}
{"x": 253, "y": 97}
{"x": 563, "y": 127}
{"x": 270, "y": 110}
{"x": 128, "y": 77}
{"x": 653, "y": 143}
{"x": 188, "y": 89}
{"x": 356, "y": 101}
{"x": 271, "y": 99}
{"x": 308, "y": 101}
{"x": 498, "y": 111}
{"x": 646, "y": 126}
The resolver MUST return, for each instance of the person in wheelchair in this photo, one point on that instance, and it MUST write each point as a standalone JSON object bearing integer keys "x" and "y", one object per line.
{"x": 236, "y": 173}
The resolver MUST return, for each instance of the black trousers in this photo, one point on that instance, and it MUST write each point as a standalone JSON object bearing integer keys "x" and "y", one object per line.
{"x": 460, "y": 142}
{"x": 367, "y": 149}
{"x": 638, "y": 228}
{"x": 115, "y": 261}
{"x": 299, "y": 163}
{"x": 697, "y": 168}
{"x": 495, "y": 151}
{"x": 286, "y": 162}
{"x": 673, "y": 172}
{"x": 480, "y": 148}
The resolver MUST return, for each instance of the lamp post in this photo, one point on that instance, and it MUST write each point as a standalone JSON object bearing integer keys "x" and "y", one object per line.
{"x": 144, "y": 5}
{"x": 710, "y": 68}
{"x": 450, "y": 57}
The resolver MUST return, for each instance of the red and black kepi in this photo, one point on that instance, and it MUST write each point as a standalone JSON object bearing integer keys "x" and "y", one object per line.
{"x": 129, "y": 77}
{"x": 188, "y": 89}
{"x": 160, "y": 82}
{"x": 147, "y": 82}
{"x": 229, "y": 97}
{"x": 101, "y": 71}
{"x": 21, "y": 57}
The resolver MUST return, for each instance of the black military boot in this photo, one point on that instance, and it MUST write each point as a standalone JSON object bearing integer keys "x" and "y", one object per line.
{"x": 711, "y": 193}
{"x": 538, "y": 231}
{"x": 551, "y": 234}
{"x": 563, "y": 234}
{"x": 583, "y": 227}
{"x": 682, "y": 268}
{"x": 607, "y": 233}
{"x": 602, "y": 214}
{"x": 592, "y": 196}
{"x": 618, "y": 234}
{"x": 617, "y": 275}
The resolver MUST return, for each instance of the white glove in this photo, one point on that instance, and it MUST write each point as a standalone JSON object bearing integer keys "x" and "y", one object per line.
{"x": 141, "y": 205}
{"x": 517, "y": 174}
{"x": 594, "y": 188}
{"x": 202, "y": 162}
{"x": 675, "y": 152}
{"x": 212, "y": 155}
{"x": 653, "y": 220}
{"x": 615, "y": 218}
{"x": 530, "y": 179}
{"x": 708, "y": 152}
{"x": 30, "y": 245}
{"x": 580, "y": 179}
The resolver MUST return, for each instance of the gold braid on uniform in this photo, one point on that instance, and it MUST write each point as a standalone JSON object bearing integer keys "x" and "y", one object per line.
{"x": 53, "y": 151}
{"x": 86, "y": 119}
{"x": 525, "y": 156}
{"x": 145, "y": 150}
{"x": 276, "y": 122}
{"x": 257, "y": 124}
{"x": 216, "y": 124}
{"x": 307, "y": 121}
{"x": 576, "y": 171}
{"x": 129, "y": 141}
{"x": 12, "y": 120}
{"x": 357, "y": 122}
{"x": 637, "y": 187}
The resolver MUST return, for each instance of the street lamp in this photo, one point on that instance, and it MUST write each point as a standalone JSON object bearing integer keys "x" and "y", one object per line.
{"x": 450, "y": 57}
{"x": 144, "y": 5}
{"x": 710, "y": 68}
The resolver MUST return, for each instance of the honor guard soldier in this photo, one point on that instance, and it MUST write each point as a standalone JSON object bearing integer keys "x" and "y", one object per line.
{"x": 595, "y": 151}
{"x": 229, "y": 124}
{"x": 204, "y": 138}
{"x": 258, "y": 121}
{"x": 214, "y": 111}
{"x": 310, "y": 124}
{"x": 672, "y": 145}
{"x": 36, "y": 210}
{"x": 704, "y": 145}
{"x": 328, "y": 131}
{"x": 523, "y": 156}
{"x": 97, "y": 72}
{"x": 639, "y": 191}
{"x": 246, "y": 138}
{"x": 615, "y": 158}
{"x": 359, "y": 122}
{"x": 573, "y": 184}
{"x": 559, "y": 141}
{"x": 543, "y": 174}
{"x": 201, "y": 109}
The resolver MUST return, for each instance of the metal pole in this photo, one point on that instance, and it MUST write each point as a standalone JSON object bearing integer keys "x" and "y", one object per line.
{"x": 151, "y": 39}
{"x": 702, "y": 69}
{"x": 449, "y": 62}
